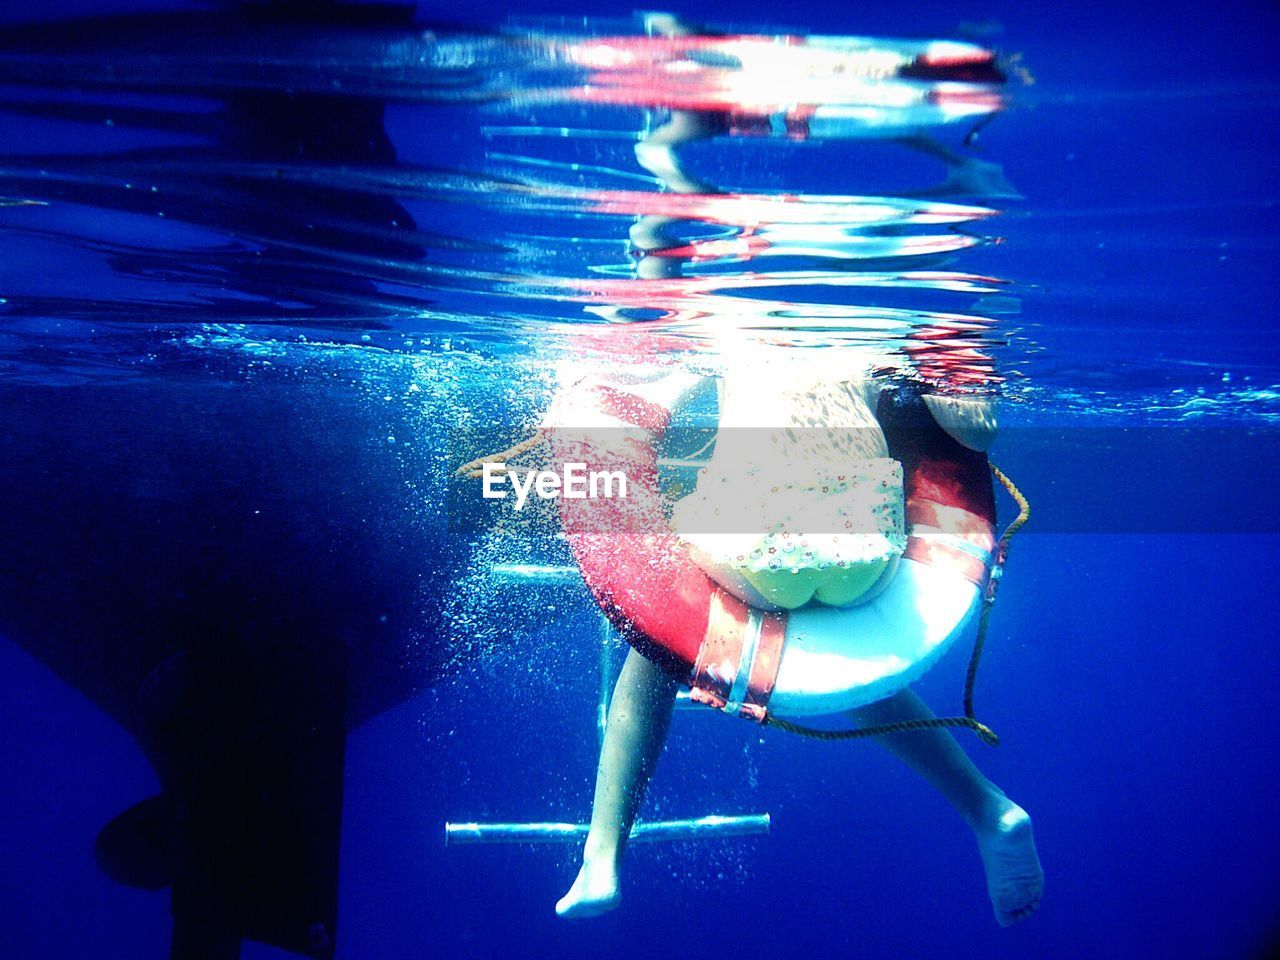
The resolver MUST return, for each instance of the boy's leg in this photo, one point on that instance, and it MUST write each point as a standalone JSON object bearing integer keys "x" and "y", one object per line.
{"x": 639, "y": 717}
{"x": 1002, "y": 828}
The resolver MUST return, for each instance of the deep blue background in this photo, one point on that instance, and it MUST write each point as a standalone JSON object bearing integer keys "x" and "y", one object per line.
{"x": 1132, "y": 676}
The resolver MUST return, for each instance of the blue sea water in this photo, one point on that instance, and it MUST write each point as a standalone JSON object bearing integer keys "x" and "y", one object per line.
{"x": 256, "y": 364}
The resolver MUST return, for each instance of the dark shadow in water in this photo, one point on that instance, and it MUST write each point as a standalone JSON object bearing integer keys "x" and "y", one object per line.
{"x": 235, "y": 575}
{"x": 232, "y": 571}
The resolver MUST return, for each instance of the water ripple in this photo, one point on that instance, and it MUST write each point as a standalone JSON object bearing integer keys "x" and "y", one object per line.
{"x": 167, "y": 175}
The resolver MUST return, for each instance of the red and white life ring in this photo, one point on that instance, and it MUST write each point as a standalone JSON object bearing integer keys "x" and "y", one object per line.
{"x": 810, "y": 661}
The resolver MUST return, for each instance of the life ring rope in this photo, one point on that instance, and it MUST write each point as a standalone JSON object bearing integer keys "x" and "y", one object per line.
{"x": 969, "y": 720}
{"x": 474, "y": 468}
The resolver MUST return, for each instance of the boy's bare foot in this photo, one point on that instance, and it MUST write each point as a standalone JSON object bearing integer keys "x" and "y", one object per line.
{"x": 1014, "y": 878}
{"x": 594, "y": 892}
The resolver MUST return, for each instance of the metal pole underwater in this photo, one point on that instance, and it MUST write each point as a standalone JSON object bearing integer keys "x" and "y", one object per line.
{"x": 695, "y": 828}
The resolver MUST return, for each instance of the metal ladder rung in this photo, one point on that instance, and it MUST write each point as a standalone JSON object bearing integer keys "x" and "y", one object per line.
{"x": 694, "y": 828}
{"x": 536, "y": 573}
